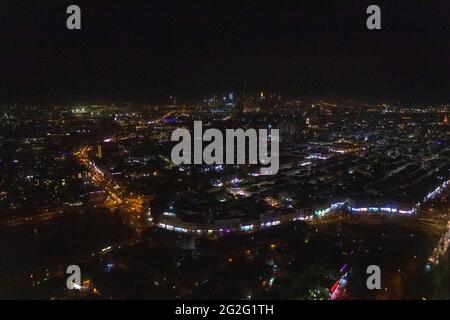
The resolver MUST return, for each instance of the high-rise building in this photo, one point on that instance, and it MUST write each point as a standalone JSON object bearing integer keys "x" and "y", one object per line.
{"x": 99, "y": 151}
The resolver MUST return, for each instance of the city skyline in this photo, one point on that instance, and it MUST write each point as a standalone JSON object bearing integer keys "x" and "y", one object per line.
{"x": 245, "y": 152}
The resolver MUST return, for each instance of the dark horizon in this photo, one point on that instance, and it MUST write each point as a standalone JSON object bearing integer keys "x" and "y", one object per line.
{"x": 147, "y": 51}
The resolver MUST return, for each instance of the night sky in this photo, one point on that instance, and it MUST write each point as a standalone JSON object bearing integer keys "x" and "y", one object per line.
{"x": 142, "y": 50}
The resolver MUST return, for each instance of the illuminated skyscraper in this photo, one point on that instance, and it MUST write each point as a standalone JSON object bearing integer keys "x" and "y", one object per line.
{"x": 99, "y": 151}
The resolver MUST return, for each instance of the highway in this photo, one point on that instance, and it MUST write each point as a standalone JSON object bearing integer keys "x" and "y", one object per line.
{"x": 130, "y": 205}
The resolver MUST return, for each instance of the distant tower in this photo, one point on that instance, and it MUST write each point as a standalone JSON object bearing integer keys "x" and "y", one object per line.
{"x": 99, "y": 151}
{"x": 307, "y": 122}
